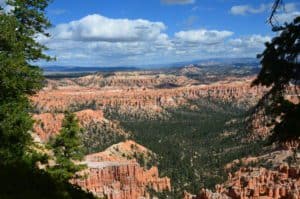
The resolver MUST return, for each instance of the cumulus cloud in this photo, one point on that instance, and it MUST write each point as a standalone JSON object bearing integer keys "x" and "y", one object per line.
{"x": 96, "y": 40}
{"x": 248, "y": 45}
{"x": 287, "y": 13}
{"x": 247, "y": 9}
{"x": 2, "y": 3}
{"x": 99, "y": 28}
{"x": 202, "y": 36}
{"x": 286, "y": 17}
{"x": 253, "y": 41}
{"x": 6, "y": 7}
{"x": 178, "y": 1}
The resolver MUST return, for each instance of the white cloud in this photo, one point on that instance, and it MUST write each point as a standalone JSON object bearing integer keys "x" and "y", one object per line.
{"x": 247, "y": 9}
{"x": 287, "y": 13}
{"x": 96, "y": 40}
{"x": 286, "y": 17}
{"x": 2, "y": 3}
{"x": 178, "y": 1}
{"x": 99, "y": 28}
{"x": 202, "y": 36}
{"x": 290, "y": 7}
{"x": 250, "y": 41}
{"x": 6, "y": 7}
{"x": 249, "y": 44}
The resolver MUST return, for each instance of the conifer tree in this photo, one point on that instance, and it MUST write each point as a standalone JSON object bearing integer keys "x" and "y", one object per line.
{"x": 19, "y": 79}
{"x": 67, "y": 148}
{"x": 280, "y": 71}
{"x": 18, "y": 76}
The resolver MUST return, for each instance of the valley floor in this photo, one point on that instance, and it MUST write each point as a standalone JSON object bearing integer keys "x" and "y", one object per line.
{"x": 184, "y": 135}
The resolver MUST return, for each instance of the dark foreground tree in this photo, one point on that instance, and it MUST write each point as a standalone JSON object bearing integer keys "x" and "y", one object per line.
{"x": 280, "y": 72}
{"x": 68, "y": 149}
{"x": 19, "y": 78}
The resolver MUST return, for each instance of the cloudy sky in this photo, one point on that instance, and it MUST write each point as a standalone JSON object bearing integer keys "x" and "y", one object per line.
{"x": 141, "y": 32}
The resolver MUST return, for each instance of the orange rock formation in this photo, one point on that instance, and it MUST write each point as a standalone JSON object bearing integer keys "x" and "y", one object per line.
{"x": 115, "y": 177}
{"x": 49, "y": 124}
{"x": 257, "y": 183}
{"x": 61, "y": 99}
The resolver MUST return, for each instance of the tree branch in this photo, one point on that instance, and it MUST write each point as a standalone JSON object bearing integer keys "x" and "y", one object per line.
{"x": 275, "y": 6}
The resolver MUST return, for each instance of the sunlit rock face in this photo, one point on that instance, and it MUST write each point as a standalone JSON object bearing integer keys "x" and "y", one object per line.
{"x": 115, "y": 173}
{"x": 49, "y": 124}
{"x": 138, "y": 98}
{"x": 256, "y": 183}
{"x": 114, "y": 176}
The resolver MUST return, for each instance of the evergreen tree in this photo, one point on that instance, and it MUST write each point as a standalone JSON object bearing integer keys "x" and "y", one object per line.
{"x": 281, "y": 70}
{"x": 18, "y": 77}
{"x": 68, "y": 149}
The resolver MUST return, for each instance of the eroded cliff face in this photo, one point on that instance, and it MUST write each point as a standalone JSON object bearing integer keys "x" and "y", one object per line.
{"x": 117, "y": 80}
{"x": 246, "y": 183}
{"x": 114, "y": 173}
{"x": 260, "y": 120}
{"x": 48, "y": 125}
{"x": 148, "y": 101}
{"x": 114, "y": 176}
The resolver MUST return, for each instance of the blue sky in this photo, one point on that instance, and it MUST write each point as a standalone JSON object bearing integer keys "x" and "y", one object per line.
{"x": 141, "y": 32}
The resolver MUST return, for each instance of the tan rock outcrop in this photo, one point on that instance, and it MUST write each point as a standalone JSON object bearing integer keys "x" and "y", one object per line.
{"x": 139, "y": 98}
{"x": 115, "y": 177}
{"x": 49, "y": 124}
{"x": 123, "y": 80}
{"x": 257, "y": 183}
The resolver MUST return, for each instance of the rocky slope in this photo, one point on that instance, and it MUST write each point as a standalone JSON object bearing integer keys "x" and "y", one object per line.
{"x": 260, "y": 125}
{"x": 144, "y": 79}
{"x": 48, "y": 125}
{"x": 145, "y": 102}
{"x": 117, "y": 176}
{"x": 115, "y": 173}
{"x": 284, "y": 182}
{"x": 124, "y": 170}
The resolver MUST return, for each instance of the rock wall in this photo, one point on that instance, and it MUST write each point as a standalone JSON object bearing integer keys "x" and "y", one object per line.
{"x": 122, "y": 80}
{"x": 54, "y": 100}
{"x": 120, "y": 178}
{"x": 49, "y": 124}
{"x": 257, "y": 183}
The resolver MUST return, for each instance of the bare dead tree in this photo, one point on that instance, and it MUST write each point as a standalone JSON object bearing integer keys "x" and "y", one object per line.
{"x": 275, "y": 7}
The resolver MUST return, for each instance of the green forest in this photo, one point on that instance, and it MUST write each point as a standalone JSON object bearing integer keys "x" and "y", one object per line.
{"x": 192, "y": 145}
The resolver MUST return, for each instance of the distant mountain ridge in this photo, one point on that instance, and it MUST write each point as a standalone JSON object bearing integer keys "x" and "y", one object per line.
{"x": 84, "y": 69}
{"x": 203, "y": 62}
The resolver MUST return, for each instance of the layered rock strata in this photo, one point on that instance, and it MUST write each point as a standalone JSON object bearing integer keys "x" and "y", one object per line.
{"x": 257, "y": 183}
{"x": 48, "y": 125}
{"x": 57, "y": 100}
{"x": 115, "y": 177}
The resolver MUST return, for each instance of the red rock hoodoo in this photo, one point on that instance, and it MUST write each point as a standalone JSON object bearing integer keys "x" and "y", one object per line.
{"x": 256, "y": 183}
{"x": 119, "y": 178}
